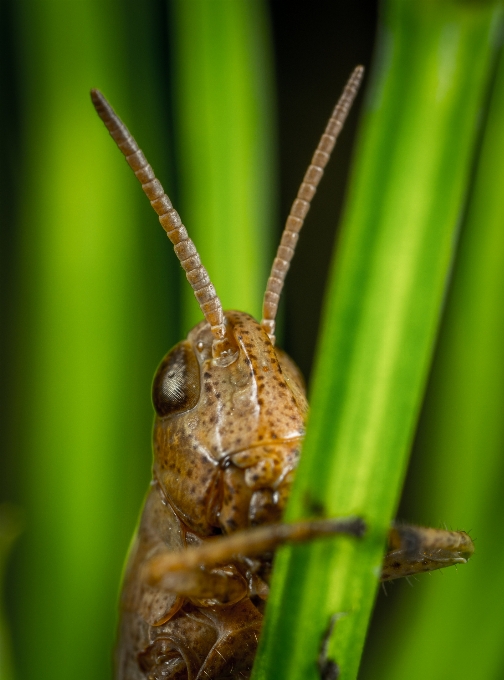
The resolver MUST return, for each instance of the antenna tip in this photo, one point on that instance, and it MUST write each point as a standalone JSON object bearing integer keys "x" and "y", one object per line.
{"x": 99, "y": 100}
{"x": 103, "y": 108}
{"x": 358, "y": 73}
{"x": 96, "y": 96}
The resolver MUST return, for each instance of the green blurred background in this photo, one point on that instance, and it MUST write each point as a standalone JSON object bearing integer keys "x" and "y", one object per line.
{"x": 228, "y": 100}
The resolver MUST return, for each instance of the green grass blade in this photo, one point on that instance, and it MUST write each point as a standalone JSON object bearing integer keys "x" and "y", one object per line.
{"x": 457, "y": 472}
{"x": 380, "y": 322}
{"x": 84, "y": 339}
{"x": 223, "y": 94}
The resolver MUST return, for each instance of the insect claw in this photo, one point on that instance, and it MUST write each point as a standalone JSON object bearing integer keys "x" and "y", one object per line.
{"x": 360, "y": 527}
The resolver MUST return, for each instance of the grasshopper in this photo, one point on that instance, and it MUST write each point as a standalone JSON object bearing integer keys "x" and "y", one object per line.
{"x": 230, "y": 420}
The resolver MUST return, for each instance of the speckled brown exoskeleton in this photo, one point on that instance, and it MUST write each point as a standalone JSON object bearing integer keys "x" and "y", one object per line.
{"x": 230, "y": 417}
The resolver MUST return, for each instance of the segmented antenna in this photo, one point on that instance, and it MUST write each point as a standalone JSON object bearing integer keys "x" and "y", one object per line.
{"x": 170, "y": 221}
{"x": 301, "y": 205}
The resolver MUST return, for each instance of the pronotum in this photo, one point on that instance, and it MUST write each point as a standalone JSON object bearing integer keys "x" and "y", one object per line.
{"x": 230, "y": 415}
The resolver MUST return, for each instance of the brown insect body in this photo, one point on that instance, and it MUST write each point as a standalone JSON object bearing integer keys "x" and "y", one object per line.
{"x": 226, "y": 442}
{"x": 230, "y": 416}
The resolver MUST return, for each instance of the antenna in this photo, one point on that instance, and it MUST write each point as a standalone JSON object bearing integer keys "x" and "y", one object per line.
{"x": 301, "y": 205}
{"x": 223, "y": 348}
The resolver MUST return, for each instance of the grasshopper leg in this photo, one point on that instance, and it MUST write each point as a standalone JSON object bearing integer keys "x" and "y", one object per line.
{"x": 203, "y": 572}
{"x": 412, "y": 550}
{"x": 198, "y": 572}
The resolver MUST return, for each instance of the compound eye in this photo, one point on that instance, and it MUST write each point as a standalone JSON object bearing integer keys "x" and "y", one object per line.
{"x": 176, "y": 386}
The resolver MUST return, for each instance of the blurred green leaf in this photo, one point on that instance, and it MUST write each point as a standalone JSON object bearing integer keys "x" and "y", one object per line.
{"x": 457, "y": 470}
{"x": 224, "y": 99}
{"x": 380, "y": 321}
{"x": 84, "y": 435}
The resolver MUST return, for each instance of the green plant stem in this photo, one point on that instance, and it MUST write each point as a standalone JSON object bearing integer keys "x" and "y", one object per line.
{"x": 380, "y": 322}
{"x": 82, "y": 344}
{"x": 457, "y": 468}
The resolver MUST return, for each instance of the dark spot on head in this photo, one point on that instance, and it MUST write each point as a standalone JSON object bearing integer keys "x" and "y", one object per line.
{"x": 217, "y": 395}
{"x": 207, "y": 375}
{"x": 208, "y": 387}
